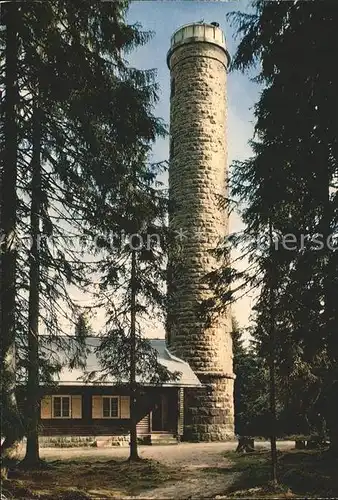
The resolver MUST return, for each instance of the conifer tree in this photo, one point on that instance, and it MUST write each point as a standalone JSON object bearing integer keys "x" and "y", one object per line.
{"x": 92, "y": 110}
{"x": 250, "y": 395}
{"x": 11, "y": 422}
{"x": 132, "y": 286}
{"x": 294, "y": 170}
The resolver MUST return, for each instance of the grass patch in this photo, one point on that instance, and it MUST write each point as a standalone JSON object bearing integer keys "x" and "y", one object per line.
{"x": 300, "y": 473}
{"x": 81, "y": 480}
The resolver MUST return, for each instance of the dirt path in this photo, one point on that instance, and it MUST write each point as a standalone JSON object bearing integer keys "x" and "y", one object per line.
{"x": 203, "y": 466}
{"x": 206, "y": 472}
{"x": 195, "y": 486}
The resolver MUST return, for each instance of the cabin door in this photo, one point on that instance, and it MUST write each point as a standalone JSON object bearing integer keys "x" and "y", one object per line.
{"x": 160, "y": 414}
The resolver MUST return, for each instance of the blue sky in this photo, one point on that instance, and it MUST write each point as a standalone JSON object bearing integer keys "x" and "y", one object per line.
{"x": 163, "y": 18}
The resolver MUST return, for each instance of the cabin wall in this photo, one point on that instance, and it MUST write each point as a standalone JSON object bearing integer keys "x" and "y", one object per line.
{"x": 85, "y": 425}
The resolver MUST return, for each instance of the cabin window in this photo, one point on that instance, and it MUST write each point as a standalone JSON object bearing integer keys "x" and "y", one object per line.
{"x": 111, "y": 407}
{"x": 61, "y": 407}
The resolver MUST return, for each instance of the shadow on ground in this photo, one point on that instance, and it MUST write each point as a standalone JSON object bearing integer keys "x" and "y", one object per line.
{"x": 309, "y": 474}
{"x": 81, "y": 480}
{"x": 300, "y": 473}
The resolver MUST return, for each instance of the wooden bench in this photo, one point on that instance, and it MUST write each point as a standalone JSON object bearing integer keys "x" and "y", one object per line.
{"x": 310, "y": 443}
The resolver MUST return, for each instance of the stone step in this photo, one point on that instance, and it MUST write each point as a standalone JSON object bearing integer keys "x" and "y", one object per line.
{"x": 163, "y": 439}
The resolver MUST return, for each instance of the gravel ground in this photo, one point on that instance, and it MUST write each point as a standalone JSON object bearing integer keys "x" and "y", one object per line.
{"x": 203, "y": 464}
{"x": 192, "y": 455}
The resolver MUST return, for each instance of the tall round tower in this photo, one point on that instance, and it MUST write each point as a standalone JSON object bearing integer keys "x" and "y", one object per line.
{"x": 198, "y": 62}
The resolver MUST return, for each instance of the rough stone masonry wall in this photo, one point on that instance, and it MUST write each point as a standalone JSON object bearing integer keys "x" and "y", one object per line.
{"x": 198, "y": 172}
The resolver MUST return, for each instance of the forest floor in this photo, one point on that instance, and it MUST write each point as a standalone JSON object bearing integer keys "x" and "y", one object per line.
{"x": 184, "y": 471}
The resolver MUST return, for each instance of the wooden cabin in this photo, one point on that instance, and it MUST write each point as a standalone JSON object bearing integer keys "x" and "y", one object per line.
{"x": 102, "y": 411}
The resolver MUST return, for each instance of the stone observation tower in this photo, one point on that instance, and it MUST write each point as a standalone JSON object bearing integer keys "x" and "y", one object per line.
{"x": 198, "y": 62}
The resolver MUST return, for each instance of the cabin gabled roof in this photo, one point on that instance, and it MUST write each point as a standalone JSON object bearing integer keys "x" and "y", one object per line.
{"x": 76, "y": 376}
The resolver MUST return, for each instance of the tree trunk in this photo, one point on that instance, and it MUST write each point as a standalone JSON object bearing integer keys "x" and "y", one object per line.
{"x": 332, "y": 420}
{"x": 133, "y": 420}
{"x": 11, "y": 422}
{"x": 272, "y": 365}
{"x": 333, "y": 435}
{"x": 330, "y": 309}
{"x": 273, "y": 438}
{"x": 32, "y": 458}
{"x": 9, "y": 453}
{"x": 133, "y": 427}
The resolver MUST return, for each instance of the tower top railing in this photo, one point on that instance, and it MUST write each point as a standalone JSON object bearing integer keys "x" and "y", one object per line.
{"x": 198, "y": 32}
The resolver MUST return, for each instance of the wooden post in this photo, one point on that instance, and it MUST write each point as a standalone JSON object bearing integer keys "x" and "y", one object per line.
{"x": 180, "y": 412}
{"x": 178, "y": 415}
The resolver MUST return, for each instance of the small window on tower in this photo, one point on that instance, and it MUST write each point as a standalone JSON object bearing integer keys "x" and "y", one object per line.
{"x": 172, "y": 146}
{"x": 172, "y": 93}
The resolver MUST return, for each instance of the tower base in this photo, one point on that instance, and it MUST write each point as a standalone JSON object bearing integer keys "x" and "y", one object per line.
{"x": 209, "y": 411}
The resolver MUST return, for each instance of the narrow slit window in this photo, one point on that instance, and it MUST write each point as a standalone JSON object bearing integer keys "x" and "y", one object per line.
{"x": 172, "y": 87}
{"x": 172, "y": 148}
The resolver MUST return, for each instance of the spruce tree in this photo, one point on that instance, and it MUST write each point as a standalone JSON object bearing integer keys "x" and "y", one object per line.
{"x": 132, "y": 286}
{"x": 11, "y": 422}
{"x": 250, "y": 395}
{"x": 92, "y": 111}
{"x": 294, "y": 170}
